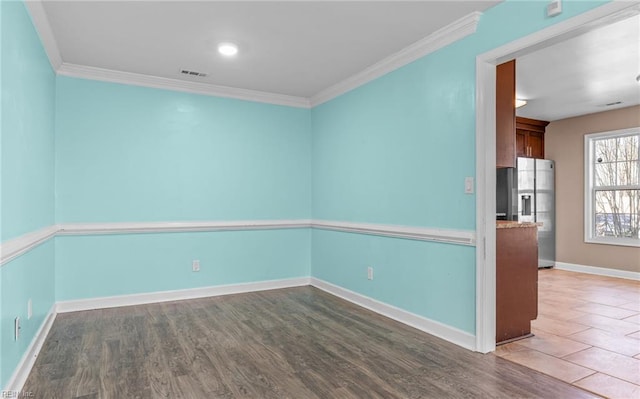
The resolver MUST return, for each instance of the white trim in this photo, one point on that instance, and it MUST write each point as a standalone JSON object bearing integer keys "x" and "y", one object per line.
{"x": 20, "y": 374}
{"x": 600, "y": 271}
{"x": 448, "y": 236}
{"x": 440, "y": 330}
{"x": 41, "y": 23}
{"x": 176, "y": 227}
{"x": 485, "y": 129}
{"x": 15, "y": 247}
{"x": 455, "y": 31}
{"x": 136, "y": 79}
{"x": 485, "y": 209}
{"x": 177, "y": 295}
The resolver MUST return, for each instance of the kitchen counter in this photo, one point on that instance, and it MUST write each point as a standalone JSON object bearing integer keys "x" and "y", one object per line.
{"x": 512, "y": 224}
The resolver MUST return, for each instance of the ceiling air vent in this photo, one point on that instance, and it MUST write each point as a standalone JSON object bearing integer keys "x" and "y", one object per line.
{"x": 192, "y": 73}
{"x": 613, "y": 103}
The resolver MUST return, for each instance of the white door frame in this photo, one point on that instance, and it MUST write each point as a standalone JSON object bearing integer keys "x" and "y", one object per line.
{"x": 486, "y": 148}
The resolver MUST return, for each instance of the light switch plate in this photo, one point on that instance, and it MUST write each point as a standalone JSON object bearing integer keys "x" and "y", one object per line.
{"x": 468, "y": 185}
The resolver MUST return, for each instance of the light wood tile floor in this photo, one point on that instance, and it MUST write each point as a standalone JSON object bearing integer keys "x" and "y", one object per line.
{"x": 294, "y": 343}
{"x": 587, "y": 333}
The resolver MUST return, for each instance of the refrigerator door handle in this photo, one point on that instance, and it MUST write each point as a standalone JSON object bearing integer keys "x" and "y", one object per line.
{"x": 526, "y": 205}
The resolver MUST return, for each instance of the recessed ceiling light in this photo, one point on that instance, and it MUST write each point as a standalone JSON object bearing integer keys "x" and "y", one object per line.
{"x": 520, "y": 103}
{"x": 228, "y": 49}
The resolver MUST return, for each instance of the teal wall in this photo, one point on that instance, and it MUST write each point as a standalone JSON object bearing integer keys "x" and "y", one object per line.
{"x": 98, "y": 266}
{"x": 28, "y": 95}
{"x": 27, "y": 184}
{"x": 396, "y": 151}
{"x": 1, "y": 134}
{"x": 127, "y": 154}
{"x": 28, "y": 276}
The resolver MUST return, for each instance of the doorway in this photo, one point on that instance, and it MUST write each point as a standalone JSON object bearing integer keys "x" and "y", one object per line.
{"x": 486, "y": 145}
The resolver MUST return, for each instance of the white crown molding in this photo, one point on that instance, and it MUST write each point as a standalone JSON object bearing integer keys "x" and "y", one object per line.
{"x": 176, "y": 227}
{"x": 15, "y": 247}
{"x": 459, "y": 237}
{"x": 19, "y": 376}
{"x": 136, "y": 79}
{"x": 177, "y": 295}
{"x": 455, "y": 31}
{"x": 600, "y": 271}
{"x": 41, "y": 23}
{"x": 440, "y": 330}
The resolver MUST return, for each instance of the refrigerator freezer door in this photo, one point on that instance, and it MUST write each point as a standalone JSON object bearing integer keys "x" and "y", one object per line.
{"x": 545, "y": 211}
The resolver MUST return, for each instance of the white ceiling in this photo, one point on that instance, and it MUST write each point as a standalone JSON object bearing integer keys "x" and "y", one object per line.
{"x": 580, "y": 75}
{"x": 291, "y": 48}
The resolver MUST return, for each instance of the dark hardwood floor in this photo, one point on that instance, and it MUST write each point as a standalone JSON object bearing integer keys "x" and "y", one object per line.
{"x": 290, "y": 343}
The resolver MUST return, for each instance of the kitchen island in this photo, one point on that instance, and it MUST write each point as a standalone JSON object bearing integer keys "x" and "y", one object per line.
{"x": 516, "y": 279}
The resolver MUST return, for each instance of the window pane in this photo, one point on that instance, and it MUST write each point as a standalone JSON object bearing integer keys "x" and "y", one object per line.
{"x": 628, "y": 148}
{"x": 617, "y": 213}
{"x": 627, "y": 173}
{"x": 605, "y": 150}
{"x": 605, "y": 174}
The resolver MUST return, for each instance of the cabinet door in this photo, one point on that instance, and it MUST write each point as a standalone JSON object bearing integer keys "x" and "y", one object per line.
{"x": 521, "y": 143}
{"x": 536, "y": 145}
{"x": 506, "y": 115}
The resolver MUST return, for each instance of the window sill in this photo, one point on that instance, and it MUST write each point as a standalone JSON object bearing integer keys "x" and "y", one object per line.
{"x": 623, "y": 242}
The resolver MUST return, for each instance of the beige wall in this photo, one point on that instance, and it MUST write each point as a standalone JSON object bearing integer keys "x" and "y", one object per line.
{"x": 564, "y": 143}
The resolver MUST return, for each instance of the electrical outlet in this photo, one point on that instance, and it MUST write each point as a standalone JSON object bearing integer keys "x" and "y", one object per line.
{"x": 29, "y": 309}
{"x": 369, "y": 273}
{"x": 195, "y": 266}
{"x": 554, "y": 8}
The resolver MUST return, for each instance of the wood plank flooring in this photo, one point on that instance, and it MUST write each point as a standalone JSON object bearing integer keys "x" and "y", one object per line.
{"x": 290, "y": 343}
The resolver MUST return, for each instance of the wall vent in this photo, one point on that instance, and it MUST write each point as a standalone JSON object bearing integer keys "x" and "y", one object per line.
{"x": 193, "y": 73}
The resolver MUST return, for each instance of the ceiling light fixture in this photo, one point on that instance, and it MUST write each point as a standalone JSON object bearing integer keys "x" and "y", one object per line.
{"x": 520, "y": 103}
{"x": 228, "y": 49}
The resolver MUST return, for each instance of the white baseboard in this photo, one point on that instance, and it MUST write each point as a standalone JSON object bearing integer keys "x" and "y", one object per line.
{"x": 19, "y": 377}
{"x": 601, "y": 271}
{"x": 440, "y": 330}
{"x": 166, "y": 296}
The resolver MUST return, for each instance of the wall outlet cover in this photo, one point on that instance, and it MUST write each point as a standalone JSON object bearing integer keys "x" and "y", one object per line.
{"x": 554, "y": 8}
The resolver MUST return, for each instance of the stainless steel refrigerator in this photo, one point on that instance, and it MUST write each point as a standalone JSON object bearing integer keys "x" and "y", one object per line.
{"x": 527, "y": 194}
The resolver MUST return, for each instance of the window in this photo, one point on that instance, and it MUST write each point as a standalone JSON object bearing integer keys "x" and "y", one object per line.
{"x": 612, "y": 187}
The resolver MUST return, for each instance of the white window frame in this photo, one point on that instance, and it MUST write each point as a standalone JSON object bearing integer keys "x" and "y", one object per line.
{"x": 589, "y": 193}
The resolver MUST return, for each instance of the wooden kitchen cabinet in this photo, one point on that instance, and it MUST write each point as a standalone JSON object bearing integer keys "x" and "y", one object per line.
{"x": 529, "y": 135}
{"x": 506, "y": 115}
